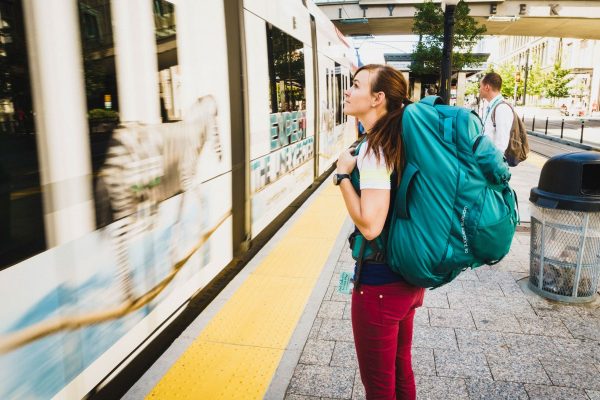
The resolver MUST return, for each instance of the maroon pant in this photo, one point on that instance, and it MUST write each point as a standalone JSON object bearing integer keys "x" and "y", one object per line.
{"x": 382, "y": 322}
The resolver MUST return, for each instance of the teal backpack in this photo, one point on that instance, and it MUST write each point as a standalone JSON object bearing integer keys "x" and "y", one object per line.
{"x": 454, "y": 208}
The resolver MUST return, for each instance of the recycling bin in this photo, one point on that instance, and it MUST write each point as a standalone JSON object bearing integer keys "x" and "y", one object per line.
{"x": 565, "y": 228}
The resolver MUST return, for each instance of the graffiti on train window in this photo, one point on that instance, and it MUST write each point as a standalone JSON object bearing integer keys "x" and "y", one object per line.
{"x": 269, "y": 169}
{"x": 287, "y": 128}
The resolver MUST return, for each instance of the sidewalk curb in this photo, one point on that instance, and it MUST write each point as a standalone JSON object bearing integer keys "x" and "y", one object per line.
{"x": 563, "y": 141}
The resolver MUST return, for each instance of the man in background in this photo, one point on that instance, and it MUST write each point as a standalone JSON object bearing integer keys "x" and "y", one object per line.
{"x": 498, "y": 115}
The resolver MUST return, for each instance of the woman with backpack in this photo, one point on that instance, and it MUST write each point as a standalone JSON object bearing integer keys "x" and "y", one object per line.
{"x": 383, "y": 304}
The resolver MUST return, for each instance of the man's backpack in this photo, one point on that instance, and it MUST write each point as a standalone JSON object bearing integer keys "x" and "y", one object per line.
{"x": 518, "y": 145}
{"x": 454, "y": 208}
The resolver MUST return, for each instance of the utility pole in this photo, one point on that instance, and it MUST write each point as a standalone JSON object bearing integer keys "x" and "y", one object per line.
{"x": 526, "y": 74}
{"x": 446, "y": 78}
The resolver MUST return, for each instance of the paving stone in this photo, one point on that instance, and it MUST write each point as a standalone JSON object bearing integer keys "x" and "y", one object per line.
{"x": 314, "y": 331}
{"x": 455, "y": 285}
{"x": 487, "y": 342}
{"x": 494, "y": 276}
{"x": 435, "y": 299}
{"x": 436, "y": 388}
{"x": 336, "y": 329}
{"x": 585, "y": 328}
{"x": 456, "y": 364}
{"x": 590, "y": 310}
{"x": 515, "y": 305}
{"x": 511, "y": 289}
{"x": 422, "y": 316}
{"x": 335, "y": 295}
{"x": 300, "y": 397}
{"x": 322, "y": 381}
{"x": 358, "y": 391}
{"x": 593, "y": 394}
{"x": 531, "y": 346}
{"x": 468, "y": 275}
{"x": 423, "y": 362}
{"x": 517, "y": 369}
{"x": 317, "y": 352}
{"x": 495, "y": 321}
{"x": 480, "y": 389}
{"x": 578, "y": 349}
{"x": 450, "y": 318}
{"x": 544, "y": 326}
{"x": 348, "y": 311}
{"x": 578, "y": 374}
{"x": 542, "y": 392}
{"x": 332, "y": 310}
{"x": 434, "y": 338}
{"x": 482, "y": 288}
{"x": 344, "y": 355}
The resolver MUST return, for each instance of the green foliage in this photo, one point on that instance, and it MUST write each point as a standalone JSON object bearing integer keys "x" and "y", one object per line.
{"x": 429, "y": 25}
{"x": 507, "y": 72}
{"x": 535, "y": 80}
{"x": 102, "y": 114}
{"x": 556, "y": 84}
{"x": 472, "y": 88}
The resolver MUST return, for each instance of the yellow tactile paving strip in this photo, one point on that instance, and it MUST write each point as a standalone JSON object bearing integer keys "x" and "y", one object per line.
{"x": 238, "y": 352}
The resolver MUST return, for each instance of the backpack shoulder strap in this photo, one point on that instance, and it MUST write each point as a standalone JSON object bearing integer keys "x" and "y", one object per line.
{"x": 494, "y": 111}
{"x": 432, "y": 100}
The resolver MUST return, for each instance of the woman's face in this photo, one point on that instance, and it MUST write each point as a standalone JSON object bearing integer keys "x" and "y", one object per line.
{"x": 359, "y": 99}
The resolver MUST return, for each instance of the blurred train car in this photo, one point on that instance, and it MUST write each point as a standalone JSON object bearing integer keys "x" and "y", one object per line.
{"x": 143, "y": 145}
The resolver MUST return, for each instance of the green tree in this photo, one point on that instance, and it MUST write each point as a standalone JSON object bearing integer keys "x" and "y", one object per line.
{"x": 429, "y": 25}
{"x": 472, "y": 88}
{"x": 535, "y": 80}
{"x": 556, "y": 84}
{"x": 507, "y": 72}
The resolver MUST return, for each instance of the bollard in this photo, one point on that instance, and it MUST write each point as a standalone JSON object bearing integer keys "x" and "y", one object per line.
{"x": 581, "y": 138}
{"x": 546, "y": 131}
{"x": 533, "y": 124}
{"x": 562, "y": 127}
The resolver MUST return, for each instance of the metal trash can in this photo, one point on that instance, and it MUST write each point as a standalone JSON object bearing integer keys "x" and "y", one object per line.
{"x": 565, "y": 228}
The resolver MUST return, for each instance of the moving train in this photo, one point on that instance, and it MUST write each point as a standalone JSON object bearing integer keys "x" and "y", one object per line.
{"x": 143, "y": 145}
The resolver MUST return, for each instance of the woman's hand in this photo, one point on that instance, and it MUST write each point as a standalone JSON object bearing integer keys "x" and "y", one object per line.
{"x": 346, "y": 162}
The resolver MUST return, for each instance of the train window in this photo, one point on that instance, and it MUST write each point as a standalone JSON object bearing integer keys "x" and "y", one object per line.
{"x": 338, "y": 94}
{"x": 166, "y": 46}
{"x": 286, "y": 71}
{"x": 98, "y": 52}
{"x": 21, "y": 214}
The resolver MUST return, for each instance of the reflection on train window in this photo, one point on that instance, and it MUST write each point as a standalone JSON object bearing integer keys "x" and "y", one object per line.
{"x": 286, "y": 71}
{"x": 166, "y": 45}
{"x": 21, "y": 215}
{"x": 100, "y": 78}
{"x": 339, "y": 100}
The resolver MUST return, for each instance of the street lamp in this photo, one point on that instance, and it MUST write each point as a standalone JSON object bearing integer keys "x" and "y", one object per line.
{"x": 449, "y": 6}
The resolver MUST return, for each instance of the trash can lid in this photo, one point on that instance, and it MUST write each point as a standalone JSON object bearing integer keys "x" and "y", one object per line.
{"x": 569, "y": 182}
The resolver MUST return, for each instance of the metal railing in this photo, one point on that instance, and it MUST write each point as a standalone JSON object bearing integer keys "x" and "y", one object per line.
{"x": 572, "y": 129}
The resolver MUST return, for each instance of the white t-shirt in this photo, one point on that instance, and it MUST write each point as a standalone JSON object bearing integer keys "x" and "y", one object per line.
{"x": 500, "y": 135}
{"x": 373, "y": 174}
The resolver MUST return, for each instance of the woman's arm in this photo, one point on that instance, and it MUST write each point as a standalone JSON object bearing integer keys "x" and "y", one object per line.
{"x": 369, "y": 210}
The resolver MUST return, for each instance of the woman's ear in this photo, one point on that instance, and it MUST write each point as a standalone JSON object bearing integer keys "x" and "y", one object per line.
{"x": 378, "y": 98}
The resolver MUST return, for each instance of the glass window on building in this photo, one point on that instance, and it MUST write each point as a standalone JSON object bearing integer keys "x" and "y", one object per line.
{"x": 166, "y": 45}
{"x": 21, "y": 213}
